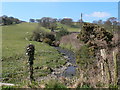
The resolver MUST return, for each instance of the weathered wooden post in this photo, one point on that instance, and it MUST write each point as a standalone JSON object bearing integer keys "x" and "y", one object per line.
{"x": 104, "y": 56}
{"x": 30, "y": 52}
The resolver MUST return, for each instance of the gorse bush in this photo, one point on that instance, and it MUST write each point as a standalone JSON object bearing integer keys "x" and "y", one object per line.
{"x": 93, "y": 32}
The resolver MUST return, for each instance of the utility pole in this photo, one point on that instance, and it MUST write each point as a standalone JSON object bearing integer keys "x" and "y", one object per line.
{"x": 81, "y": 16}
{"x": 81, "y": 21}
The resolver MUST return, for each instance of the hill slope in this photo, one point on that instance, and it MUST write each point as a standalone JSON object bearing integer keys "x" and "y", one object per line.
{"x": 14, "y": 60}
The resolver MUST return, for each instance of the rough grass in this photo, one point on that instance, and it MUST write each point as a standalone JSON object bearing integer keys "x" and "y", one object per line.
{"x": 70, "y": 29}
{"x": 70, "y": 42}
{"x": 14, "y": 60}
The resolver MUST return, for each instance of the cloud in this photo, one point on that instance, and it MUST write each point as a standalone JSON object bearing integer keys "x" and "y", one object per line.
{"x": 98, "y": 14}
{"x": 66, "y": 17}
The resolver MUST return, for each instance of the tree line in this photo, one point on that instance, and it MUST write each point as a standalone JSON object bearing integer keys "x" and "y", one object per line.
{"x": 5, "y": 20}
{"x": 51, "y": 23}
{"x": 111, "y": 23}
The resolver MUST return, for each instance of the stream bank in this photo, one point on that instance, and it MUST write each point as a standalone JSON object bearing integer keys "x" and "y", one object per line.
{"x": 71, "y": 62}
{"x": 65, "y": 72}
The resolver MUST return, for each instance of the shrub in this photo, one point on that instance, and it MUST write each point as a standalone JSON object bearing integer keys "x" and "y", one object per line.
{"x": 38, "y": 34}
{"x": 85, "y": 55}
{"x": 84, "y": 86}
{"x": 94, "y": 32}
{"x": 47, "y": 40}
{"x": 61, "y": 33}
{"x": 50, "y": 36}
{"x": 113, "y": 86}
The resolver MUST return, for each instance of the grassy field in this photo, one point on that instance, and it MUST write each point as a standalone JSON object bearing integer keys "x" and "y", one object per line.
{"x": 14, "y": 60}
{"x": 70, "y": 29}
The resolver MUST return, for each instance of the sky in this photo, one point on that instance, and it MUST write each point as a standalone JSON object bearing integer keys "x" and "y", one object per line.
{"x": 36, "y": 10}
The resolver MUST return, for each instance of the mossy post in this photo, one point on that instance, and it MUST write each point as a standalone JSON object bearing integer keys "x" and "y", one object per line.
{"x": 30, "y": 52}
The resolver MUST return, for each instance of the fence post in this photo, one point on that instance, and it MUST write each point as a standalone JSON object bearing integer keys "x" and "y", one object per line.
{"x": 30, "y": 52}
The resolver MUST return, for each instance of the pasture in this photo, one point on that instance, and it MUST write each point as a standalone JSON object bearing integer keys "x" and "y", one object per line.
{"x": 14, "y": 60}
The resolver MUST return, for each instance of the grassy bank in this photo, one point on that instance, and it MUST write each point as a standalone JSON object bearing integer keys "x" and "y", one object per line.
{"x": 69, "y": 28}
{"x": 14, "y": 60}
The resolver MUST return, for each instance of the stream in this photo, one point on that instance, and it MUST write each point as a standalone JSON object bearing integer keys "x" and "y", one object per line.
{"x": 71, "y": 60}
{"x": 68, "y": 70}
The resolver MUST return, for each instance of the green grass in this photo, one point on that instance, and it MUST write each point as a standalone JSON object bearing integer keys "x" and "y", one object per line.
{"x": 55, "y": 84}
{"x": 14, "y": 60}
{"x": 70, "y": 29}
{"x": 14, "y": 38}
{"x": 68, "y": 46}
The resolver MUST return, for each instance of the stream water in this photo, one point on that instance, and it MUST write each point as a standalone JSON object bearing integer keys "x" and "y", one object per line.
{"x": 67, "y": 70}
{"x": 71, "y": 60}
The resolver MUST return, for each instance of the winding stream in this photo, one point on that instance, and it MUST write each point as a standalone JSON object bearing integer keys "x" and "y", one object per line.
{"x": 67, "y": 70}
{"x": 71, "y": 60}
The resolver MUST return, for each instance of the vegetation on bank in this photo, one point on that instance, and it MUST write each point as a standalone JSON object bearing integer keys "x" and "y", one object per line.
{"x": 14, "y": 60}
{"x": 51, "y": 38}
{"x": 92, "y": 37}
{"x": 55, "y": 84}
{"x": 96, "y": 56}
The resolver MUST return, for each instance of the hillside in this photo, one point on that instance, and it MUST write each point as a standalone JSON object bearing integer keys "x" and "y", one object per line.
{"x": 84, "y": 59}
{"x": 69, "y": 28}
{"x": 14, "y": 60}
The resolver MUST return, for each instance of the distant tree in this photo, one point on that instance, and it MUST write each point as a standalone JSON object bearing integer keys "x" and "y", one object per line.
{"x": 67, "y": 21}
{"x": 6, "y": 20}
{"x": 95, "y": 22}
{"x": 16, "y": 21}
{"x": 32, "y": 20}
{"x": 100, "y": 22}
{"x": 4, "y": 16}
{"x": 38, "y": 20}
{"x": 59, "y": 20}
{"x": 111, "y": 24}
{"x": 0, "y": 20}
{"x": 9, "y": 20}
{"x": 113, "y": 20}
{"x": 49, "y": 23}
{"x": 108, "y": 23}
